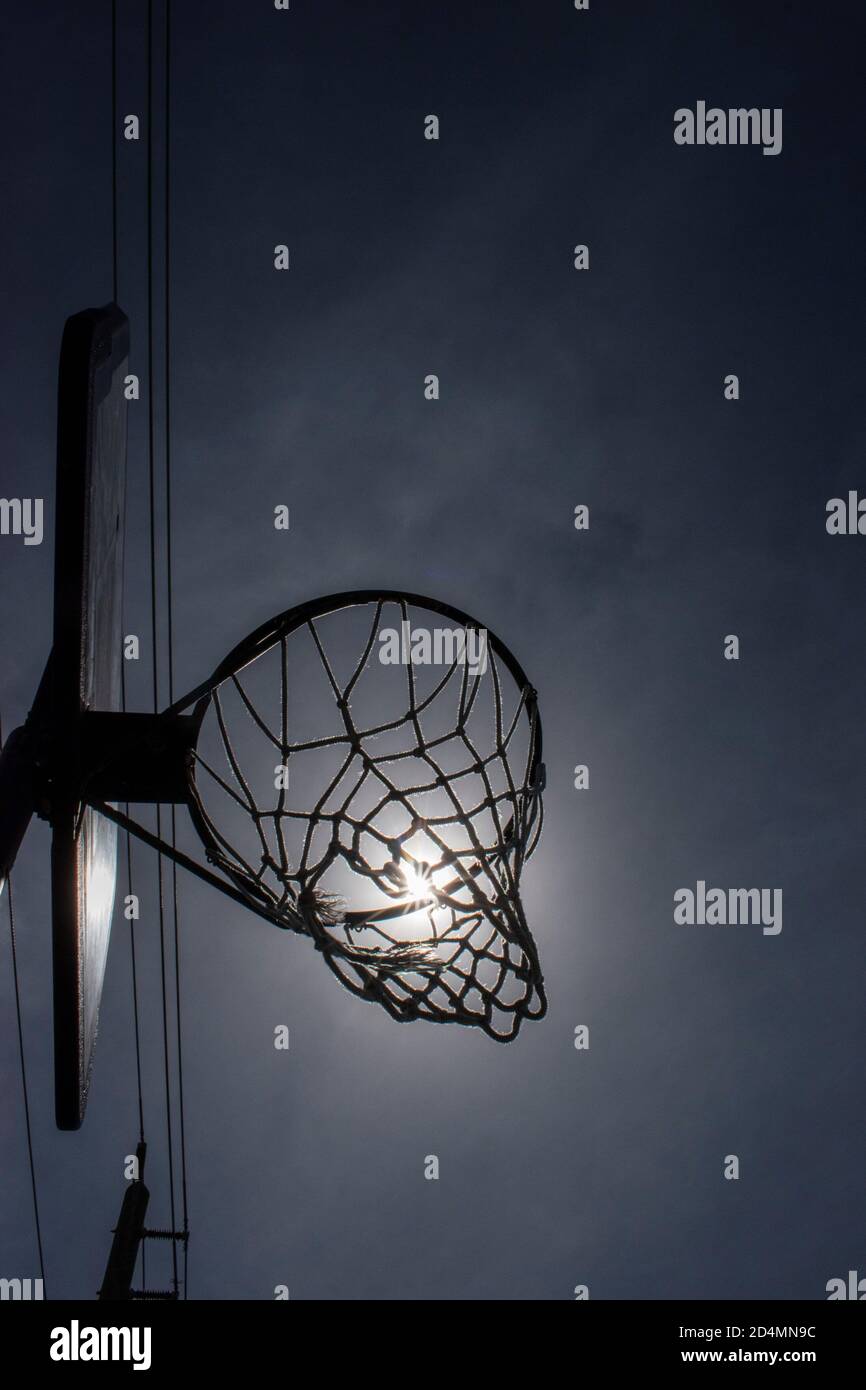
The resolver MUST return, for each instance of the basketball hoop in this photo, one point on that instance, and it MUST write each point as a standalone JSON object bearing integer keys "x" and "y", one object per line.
{"x": 385, "y": 811}
{"x": 409, "y": 801}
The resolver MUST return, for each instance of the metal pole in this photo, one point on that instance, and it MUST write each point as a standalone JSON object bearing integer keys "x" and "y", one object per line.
{"x": 128, "y": 1233}
{"x": 17, "y": 797}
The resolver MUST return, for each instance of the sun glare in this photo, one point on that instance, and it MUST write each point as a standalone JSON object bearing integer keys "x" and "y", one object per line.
{"x": 418, "y": 887}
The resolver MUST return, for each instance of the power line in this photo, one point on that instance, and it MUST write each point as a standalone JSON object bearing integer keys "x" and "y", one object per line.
{"x": 129, "y": 877}
{"x": 170, "y": 597}
{"x": 114, "y": 149}
{"x": 115, "y": 257}
{"x": 153, "y": 616}
{"x": 131, "y": 890}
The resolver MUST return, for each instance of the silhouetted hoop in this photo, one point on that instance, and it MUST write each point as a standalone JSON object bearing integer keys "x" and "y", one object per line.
{"x": 388, "y": 809}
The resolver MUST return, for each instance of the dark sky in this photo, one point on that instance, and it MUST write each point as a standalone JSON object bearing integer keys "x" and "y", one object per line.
{"x": 707, "y": 518}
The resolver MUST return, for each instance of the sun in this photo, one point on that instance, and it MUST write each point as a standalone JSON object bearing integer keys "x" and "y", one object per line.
{"x": 417, "y": 883}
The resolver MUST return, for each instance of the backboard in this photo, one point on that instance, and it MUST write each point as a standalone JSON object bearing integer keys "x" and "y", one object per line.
{"x": 85, "y": 675}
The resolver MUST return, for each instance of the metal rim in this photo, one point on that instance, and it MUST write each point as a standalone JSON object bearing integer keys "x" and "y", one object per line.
{"x": 264, "y": 636}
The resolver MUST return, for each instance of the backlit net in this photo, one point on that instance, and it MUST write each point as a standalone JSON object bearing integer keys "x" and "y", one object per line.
{"x": 387, "y": 810}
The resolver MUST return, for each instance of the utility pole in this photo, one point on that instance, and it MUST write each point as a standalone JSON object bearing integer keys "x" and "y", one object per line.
{"x": 129, "y": 1232}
